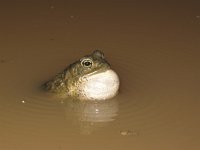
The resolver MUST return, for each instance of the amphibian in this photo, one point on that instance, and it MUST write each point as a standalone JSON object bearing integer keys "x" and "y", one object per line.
{"x": 90, "y": 78}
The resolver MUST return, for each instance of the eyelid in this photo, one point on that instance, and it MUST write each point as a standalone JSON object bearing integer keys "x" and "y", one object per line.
{"x": 85, "y": 58}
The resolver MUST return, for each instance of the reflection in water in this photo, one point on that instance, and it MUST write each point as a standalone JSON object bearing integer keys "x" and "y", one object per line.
{"x": 92, "y": 114}
{"x": 154, "y": 48}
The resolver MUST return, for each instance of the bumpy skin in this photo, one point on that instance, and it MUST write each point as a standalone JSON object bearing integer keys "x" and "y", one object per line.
{"x": 67, "y": 83}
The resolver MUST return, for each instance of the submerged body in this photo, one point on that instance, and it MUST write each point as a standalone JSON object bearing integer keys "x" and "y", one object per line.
{"x": 90, "y": 78}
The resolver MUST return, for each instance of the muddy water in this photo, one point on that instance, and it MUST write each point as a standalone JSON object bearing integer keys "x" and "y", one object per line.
{"x": 155, "y": 49}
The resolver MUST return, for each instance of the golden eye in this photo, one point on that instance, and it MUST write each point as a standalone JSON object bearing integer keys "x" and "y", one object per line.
{"x": 87, "y": 63}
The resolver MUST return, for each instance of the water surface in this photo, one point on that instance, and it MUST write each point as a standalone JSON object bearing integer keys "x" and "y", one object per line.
{"x": 154, "y": 47}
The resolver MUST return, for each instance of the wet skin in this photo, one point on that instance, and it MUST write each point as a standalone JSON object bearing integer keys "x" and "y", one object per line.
{"x": 68, "y": 82}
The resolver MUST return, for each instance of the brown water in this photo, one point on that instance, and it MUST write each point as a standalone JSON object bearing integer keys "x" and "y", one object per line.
{"x": 153, "y": 46}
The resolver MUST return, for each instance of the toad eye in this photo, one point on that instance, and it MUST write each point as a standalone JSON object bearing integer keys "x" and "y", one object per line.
{"x": 87, "y": 63}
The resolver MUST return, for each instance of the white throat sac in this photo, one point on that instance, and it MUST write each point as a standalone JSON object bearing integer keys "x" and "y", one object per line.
{"x": 100, "y": 86}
